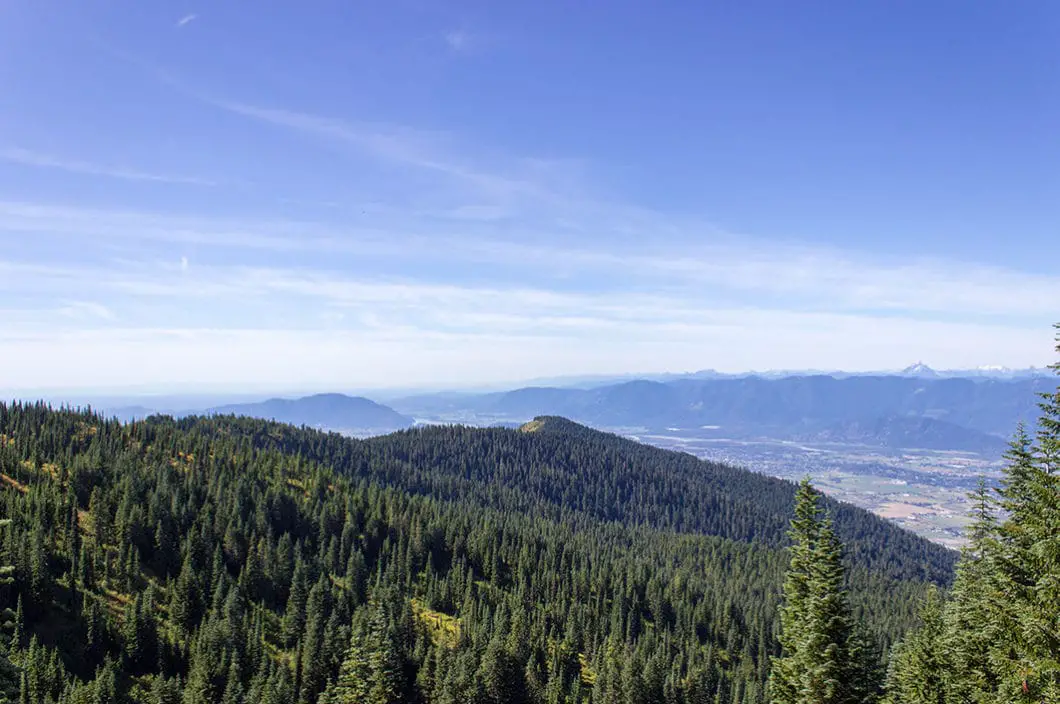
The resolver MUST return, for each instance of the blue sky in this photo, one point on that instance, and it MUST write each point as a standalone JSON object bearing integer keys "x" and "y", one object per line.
{"x": 339, "y": 195}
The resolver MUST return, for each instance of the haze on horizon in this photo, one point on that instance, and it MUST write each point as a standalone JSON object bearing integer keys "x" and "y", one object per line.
{"x": 400, "y": 195}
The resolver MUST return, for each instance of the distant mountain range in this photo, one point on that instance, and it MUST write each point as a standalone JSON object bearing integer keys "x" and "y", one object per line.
{"x": 914, "y": 410}
{"x": 923, "y": 371}
{"x": 920, "y": 408}
{"x": 353, "y": 414}
{"x": 919, "y": 369}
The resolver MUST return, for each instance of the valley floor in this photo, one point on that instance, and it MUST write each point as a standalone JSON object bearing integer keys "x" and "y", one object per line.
{"x": 924, "y": 491}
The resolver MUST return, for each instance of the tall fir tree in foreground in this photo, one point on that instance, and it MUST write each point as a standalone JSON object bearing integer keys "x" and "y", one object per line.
{"x": 825, "y": 660}
{"x": 997, "y": 638}
{"x": 970, "y": 631}
{"x": 1026, "y": 553}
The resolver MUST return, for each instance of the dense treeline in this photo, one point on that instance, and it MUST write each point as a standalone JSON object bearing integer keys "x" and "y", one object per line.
{"x": 231, "y": 560}
{"x": 995, "y": 639}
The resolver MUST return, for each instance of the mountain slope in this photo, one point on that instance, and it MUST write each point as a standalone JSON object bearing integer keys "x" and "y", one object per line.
{"x": 909, "y": 432}
{"x": 331, "y": 411}
{"x": 232, "y": 559}
{"x": 564, "y": 470}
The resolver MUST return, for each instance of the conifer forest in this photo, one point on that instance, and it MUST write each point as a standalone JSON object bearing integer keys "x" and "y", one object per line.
{"x": 235, "y": 561}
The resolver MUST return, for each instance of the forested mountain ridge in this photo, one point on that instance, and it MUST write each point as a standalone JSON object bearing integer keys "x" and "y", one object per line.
{"x": 564, "y": 468}
{"x": 236, "y": 560}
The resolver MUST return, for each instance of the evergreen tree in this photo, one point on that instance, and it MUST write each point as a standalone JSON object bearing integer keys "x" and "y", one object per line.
{"x": 294, "y": 617}
{"x": 233, "y": 693}
{"x": 971, "y": 627}
{"x": 18, "y": 632}
{"x": 824, "y": 660}
{"x": 352, "y": 685}
{"x": 787, "y": 671}
{"x": 164, "y": 691}
{"x": 920, "y": 670}
{"x": 106, "y": 684}
{"x": 501, "y": 675}
{"x": 9, "y": 674}
{"x": 373, "y": 670}
{"x": 314, "y": 663}
{"x": 185, "y": 605}
{"x": 387, "y": 681}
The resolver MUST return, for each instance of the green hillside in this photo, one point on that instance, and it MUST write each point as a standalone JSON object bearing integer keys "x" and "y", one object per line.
{"x": 235, "y": 560}
{"x": 565, "y": 471}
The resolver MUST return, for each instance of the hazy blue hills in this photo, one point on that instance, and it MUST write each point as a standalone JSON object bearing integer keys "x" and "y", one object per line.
{"x": 332, "y": 411}
{"x": 916, "y": 410}
{"x": 894, "y": 411}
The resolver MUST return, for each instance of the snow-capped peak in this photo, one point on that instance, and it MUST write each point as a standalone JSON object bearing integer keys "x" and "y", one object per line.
{"x": 920, "y": 370}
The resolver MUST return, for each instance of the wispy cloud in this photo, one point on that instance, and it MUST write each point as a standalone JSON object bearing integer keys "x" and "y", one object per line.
{"x": 458, "y": 40}
{"x": 393, "y": 143}
{"x": 692, "y": 325}
{"x": 743, "y": 271}
{"x": 87, "y": 310}
{"x": 526, "y": 180}
{"x": 186, "y": 19}
{"x": 469, "y": 180}
{"x": 26, "y": 157}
